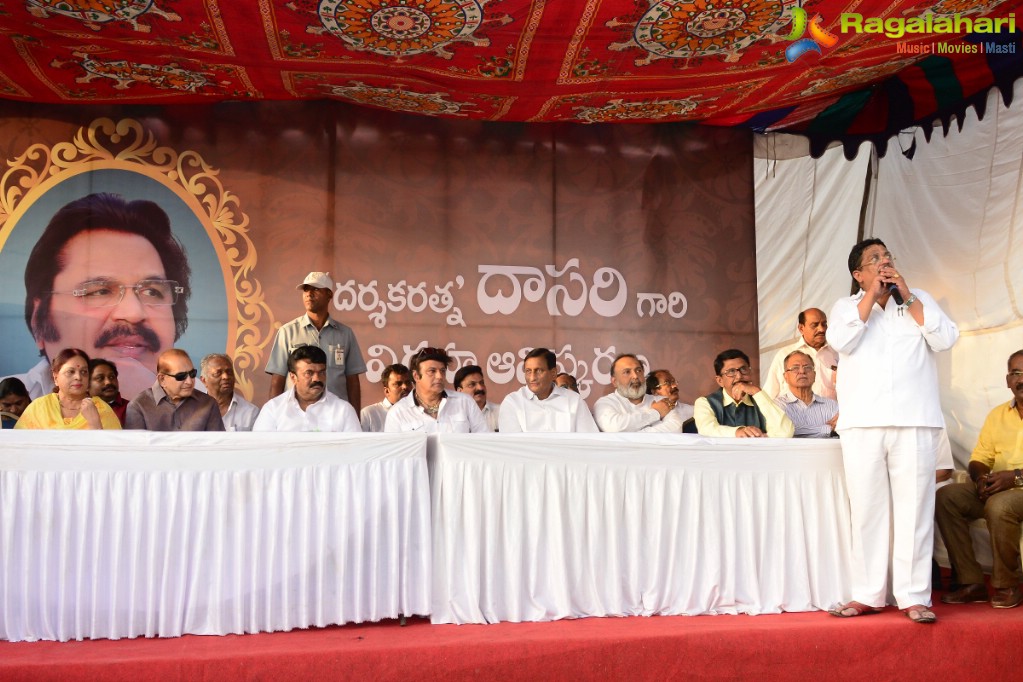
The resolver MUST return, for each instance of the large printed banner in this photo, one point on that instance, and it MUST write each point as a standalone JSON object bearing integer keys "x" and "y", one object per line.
{"x": 486, "y": 239}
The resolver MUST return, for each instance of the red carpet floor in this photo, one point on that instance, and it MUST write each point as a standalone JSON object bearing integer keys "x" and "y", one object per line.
{"x": 969, "y": 642}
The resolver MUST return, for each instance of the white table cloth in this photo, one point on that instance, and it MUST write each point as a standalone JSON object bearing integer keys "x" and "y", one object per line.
{"x": 534, "y": 527}
{"x": 108, "y": 535}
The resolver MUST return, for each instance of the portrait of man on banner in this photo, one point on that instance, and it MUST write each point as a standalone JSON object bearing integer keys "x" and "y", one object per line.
{"x": 109, "y": 261}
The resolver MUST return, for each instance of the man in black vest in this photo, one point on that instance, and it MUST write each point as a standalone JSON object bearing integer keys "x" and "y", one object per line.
{"x": 739, "y": 408}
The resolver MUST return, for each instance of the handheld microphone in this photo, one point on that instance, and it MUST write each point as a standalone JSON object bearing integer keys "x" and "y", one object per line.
{"x": 893, "y": 289}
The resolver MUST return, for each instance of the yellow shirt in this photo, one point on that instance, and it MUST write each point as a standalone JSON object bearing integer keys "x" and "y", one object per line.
{"x": 44, "y": 413}
{"x": 1000, "y": 444}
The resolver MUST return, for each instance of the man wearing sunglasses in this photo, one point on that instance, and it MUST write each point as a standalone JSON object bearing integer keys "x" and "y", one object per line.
{"x": 172, "y": 403}
{"x": 739, "y": 409}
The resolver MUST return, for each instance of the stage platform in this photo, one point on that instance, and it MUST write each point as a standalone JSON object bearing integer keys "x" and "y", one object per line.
{"x": 969, "y": 642}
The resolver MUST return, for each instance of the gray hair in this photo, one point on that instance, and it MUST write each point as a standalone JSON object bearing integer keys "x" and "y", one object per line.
{"x": 210, "y": 358}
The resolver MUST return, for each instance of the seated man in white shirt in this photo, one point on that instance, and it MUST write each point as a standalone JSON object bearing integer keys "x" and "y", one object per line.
{"x": 661, "y": 382}
{"x": 629, "y": 408}
{"x": 739, "y": 409}
{"x": 814, "y": 416}
{"x": 540, "y": 405}
{"x": 397, "y": 383}
{"x": 813, "y": 327}
{"x": 469, "y": 380}
{"x": 429, "y": 408}
{"x": 216, "y": 371}
{"x": 309, "y": 406}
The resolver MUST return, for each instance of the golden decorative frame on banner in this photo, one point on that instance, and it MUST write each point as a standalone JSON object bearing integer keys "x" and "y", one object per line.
{"x": 127, "y": 145}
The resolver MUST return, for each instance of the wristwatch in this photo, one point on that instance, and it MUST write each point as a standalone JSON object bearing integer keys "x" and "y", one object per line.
{"x": 1019, "y": 479}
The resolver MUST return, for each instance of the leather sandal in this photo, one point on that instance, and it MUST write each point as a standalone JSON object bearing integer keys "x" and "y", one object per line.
{"x": 851, "y": 609}
{"x": 918, "y": 613}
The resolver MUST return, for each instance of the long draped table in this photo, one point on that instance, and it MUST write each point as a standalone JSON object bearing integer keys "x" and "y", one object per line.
{"x": 530, "y": 527}
{"x": 108, "y": 535}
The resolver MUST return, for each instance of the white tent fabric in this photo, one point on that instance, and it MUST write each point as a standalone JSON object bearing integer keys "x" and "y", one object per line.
{"x": 951, "y": 215}
{"x": 807, "y": 211}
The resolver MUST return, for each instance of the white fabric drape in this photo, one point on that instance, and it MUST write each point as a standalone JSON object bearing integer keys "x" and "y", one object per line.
{"x": 531, "y": 527}
{"x": 807, "y": 214}
{"x": 952, "y": 216}
{"x": 109, "y": 535}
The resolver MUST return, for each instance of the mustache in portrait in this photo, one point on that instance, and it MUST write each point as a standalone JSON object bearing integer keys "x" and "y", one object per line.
{"x": 127, "y": 330}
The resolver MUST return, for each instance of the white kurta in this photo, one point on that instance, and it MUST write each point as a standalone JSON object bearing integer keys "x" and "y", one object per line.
{"x": 492, "y": 413}
{"x": 458, "y": 414}
{"x": 615, "y": 414}
{"x": 373, "y": 416}
{"x": 889, "y": 374}
{"x": 823, "y": 361}
{"x": 891, "y": 426}
{"x": 329, "y": 413}
{"x": 563, "y": 411}
{"x": 241, "y": 415}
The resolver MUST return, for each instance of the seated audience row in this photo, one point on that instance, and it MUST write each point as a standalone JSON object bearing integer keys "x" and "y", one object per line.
{"x": 416, "y": 399}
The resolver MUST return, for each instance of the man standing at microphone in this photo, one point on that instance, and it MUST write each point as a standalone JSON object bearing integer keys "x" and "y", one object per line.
{"x": 890, "y": 423}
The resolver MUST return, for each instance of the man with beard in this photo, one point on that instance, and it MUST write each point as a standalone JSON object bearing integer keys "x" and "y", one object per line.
{"x": 541, "y": 406}
{"x": 103, "y": 384}
{"x": 308, "y": 406}
{"x": 469, "y": 380}
{"x": 172, "y": 403}
{"x": 739, "y": 409}
{"x": 216, "y": 371}
{"x": 397, "y": 383}
{"x": 629, "y": 408}
{"x": 813, "y": 327}
{"x": 106, "y": 276}
{"x": 994, "y": 494}
{"x": 429, "y": 408}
